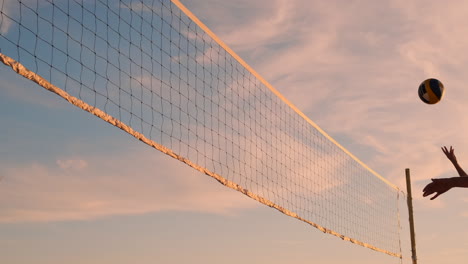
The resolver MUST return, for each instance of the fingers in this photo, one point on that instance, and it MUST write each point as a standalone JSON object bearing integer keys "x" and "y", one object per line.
{"x": 435, "y": 196}
{"x": 450, "y": 153}
{"x": 437, "y": 186}
{"x": 430, "y": 193}
{"x": 444, "y": 149}
{"x": 426, "y": 189}
{"x": 427, "y": 193}
{"x": 433, "y": 188}
{"x": 429, "y": 189}
{"x": 439, "y": 193}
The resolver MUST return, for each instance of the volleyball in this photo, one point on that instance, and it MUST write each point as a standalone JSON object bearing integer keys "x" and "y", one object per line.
{"x": 431, "y": 91}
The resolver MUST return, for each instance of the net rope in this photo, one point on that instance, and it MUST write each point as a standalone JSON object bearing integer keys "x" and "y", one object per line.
{"x": 152, "y": 69}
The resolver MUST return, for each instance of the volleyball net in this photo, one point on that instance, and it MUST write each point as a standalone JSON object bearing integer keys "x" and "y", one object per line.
{"x": 152, "y": 69}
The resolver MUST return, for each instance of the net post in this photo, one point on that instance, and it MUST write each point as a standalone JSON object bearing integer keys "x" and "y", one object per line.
{"x": 411, "y": 218}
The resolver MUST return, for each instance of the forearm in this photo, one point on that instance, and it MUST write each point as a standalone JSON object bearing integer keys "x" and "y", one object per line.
{"x": 460, "y": 171}
{"x": 459, "y": 182}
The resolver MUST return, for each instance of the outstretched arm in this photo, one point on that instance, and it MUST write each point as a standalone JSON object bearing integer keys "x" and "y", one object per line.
{"x": 451, "y": 156}
{"x": 440, "y": 186}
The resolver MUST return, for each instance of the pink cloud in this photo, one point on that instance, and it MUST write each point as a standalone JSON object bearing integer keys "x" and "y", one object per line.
{"x": 75, "y": 164}
{"x": 137, "y": 183}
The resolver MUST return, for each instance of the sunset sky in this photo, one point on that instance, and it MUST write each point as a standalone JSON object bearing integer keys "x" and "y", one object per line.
{"x": 74, "y": 189}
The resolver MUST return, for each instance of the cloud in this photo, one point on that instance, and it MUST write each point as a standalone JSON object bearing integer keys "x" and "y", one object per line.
{"x": 74, "y": 164}
{"x": 464, "y": 214}
{"x": 210, "y": 56}
{"x": 7, "y": 10}
{"x": 11, "y": 9}
{"x": 264, "y": 29}
{"x": 245, "y": 23}
{"x": 133, "y": 183}
{"x": 136, "y": 7}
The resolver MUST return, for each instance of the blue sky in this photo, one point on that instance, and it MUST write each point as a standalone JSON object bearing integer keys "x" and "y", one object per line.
{"x": 352, "y": 67}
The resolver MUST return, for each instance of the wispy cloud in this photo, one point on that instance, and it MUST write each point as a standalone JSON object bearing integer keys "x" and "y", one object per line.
{"x": 11, "y": 10}
{"x": 7, "y": 10}
{"x": 355, "y": 69}
{"x": 134, "y": 183}
{"x": 73, "y": 164}
{"x": 137, "y": 7}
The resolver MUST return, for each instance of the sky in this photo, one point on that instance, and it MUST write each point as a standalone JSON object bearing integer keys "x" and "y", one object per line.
{"x": 75, "y": 189}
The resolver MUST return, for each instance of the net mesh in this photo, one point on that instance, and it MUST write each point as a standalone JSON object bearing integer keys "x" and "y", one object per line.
{"x": 154, "y": 70}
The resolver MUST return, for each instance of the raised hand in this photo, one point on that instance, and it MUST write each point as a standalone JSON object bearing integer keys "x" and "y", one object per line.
{"x": 450, "y": 154}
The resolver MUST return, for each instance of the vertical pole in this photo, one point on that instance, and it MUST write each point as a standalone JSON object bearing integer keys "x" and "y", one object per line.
{"x": 411, "y": 218}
